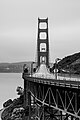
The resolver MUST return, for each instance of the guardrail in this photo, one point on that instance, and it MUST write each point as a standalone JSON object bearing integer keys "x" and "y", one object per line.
{"x": 59, "y": 82}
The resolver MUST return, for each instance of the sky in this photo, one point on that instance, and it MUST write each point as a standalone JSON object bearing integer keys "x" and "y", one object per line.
{"x": 18, "y": 28}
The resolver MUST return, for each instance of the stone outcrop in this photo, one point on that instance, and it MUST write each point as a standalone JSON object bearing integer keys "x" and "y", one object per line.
{"x": 14, "y": 109}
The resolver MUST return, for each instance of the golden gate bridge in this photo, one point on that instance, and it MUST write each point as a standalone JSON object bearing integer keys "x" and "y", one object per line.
{"x": 48, "y": 95}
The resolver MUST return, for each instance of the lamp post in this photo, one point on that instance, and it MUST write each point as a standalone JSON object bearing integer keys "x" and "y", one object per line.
{"x": 56, "y": 67}
{"x": 32, "y": 68}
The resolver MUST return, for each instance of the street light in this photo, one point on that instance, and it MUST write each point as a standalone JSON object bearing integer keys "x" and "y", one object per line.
{"x": 56, "y": 67}
{"x": 32, "y": 68}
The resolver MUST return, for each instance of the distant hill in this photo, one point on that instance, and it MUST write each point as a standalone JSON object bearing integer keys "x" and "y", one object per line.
{"x": 70, "y": 63}
{"x": 13, "y": 67}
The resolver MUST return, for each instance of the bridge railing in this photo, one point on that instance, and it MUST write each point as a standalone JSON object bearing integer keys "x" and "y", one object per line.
{"x": 59, "y": 82}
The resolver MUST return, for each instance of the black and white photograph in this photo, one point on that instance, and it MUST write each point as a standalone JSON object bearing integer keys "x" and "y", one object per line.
{"x": 39, "y": 59}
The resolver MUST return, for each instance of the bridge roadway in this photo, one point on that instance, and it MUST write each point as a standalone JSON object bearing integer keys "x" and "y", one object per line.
{"x": 62, "y": 95}
{"x": 61, "y": 81}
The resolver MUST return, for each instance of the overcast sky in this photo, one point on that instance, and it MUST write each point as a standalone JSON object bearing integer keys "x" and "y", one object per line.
{"x": 18, "y": 28}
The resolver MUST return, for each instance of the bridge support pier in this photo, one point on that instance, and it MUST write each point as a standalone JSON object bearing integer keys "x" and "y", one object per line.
{"x": 29, "y": 103}
{"x": 61, "y": 114}
{"x": 26, "y": 87}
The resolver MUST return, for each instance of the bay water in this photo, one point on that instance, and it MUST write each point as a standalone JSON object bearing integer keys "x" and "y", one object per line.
{"x": 8, "y": 84}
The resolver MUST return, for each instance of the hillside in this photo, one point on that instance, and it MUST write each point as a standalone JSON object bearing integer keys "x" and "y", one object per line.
{"x": 70, "y": 63}
{"x": 13, "y": 67}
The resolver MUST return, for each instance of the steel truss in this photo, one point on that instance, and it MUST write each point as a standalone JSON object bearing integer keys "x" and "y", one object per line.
{"x": 52, "y": 102}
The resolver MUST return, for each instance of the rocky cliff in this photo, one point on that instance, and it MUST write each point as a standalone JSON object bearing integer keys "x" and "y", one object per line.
{"x": 14, "y": 109}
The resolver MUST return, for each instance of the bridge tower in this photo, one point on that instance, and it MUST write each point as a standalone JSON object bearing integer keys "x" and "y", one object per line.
{"x": 43, "y": 42}
{"x": 52, "y": 99}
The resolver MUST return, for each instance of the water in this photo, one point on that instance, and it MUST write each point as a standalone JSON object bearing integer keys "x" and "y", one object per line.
{"x": 8, "y": 85}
